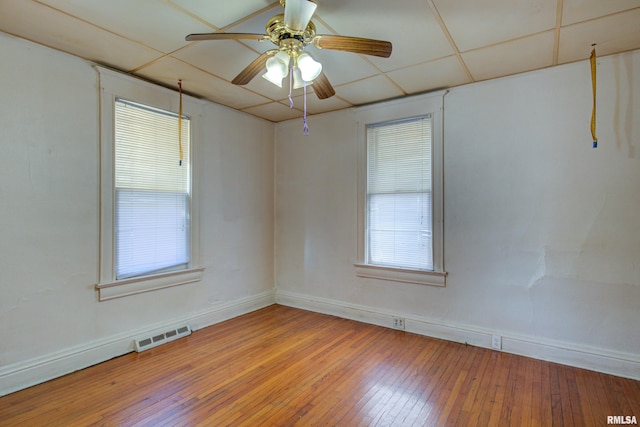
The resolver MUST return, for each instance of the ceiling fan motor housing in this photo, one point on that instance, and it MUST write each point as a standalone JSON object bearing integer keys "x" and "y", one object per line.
{"x": 287, "y": 39}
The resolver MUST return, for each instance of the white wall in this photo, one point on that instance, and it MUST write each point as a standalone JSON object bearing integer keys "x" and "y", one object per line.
{"x": 542, "y": 239}
{"x": 50, "y": 319}
{"x": 542, "y": 232}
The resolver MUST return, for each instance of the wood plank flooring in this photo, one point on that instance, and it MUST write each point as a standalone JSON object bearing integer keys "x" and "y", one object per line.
{"x": 281, "y": 366}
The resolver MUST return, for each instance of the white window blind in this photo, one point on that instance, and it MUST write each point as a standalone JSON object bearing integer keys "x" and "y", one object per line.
{"x": 152, "y": 191}
{"x": 399, "y": 194}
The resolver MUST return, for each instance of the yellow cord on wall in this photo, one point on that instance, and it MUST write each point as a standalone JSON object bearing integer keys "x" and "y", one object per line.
{"x": 180, "y": 122}
{"x": 592, "y": 59}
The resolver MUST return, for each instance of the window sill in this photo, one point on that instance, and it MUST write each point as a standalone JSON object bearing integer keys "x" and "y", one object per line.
{"x": 419, "y": 277}
{"x": 138, "y": 285}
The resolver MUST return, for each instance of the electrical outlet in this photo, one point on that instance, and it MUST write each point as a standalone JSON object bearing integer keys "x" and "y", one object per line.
{"x": 398, "y": 323}
{"x": 496, "y": 342}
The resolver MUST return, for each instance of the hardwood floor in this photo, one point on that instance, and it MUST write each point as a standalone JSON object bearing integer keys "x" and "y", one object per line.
{"x": 282, "y": 366}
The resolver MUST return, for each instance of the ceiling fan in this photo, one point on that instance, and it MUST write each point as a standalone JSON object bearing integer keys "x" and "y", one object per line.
{"x": 292, "y": 32}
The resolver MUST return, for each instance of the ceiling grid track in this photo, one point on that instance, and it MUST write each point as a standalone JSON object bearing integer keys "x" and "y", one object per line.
{"x": 95, "y": 25}
{"x": 556, "y": 40}
{"x": 447, "y": 34}
{"x": 192, "y": 15}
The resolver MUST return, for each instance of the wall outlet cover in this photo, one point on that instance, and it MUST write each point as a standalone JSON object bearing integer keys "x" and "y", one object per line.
{"x": 398, "y": 323}
{"x": 496, "y": 342}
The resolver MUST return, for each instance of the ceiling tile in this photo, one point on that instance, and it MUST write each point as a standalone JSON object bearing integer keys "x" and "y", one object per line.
{"x": 43, "y": 25}
{"x": 368, "y": 90}
{"x": 224, "y": 58}
{"x": 274, "y": 111}
{"x": 169, "y": 70}
{"x": 268, "y": 89}
{"x": 409, "y": 25}
{"x": 315, "y": 105}
{"x": 615, "y": 33}
{"x": 513, "y": 57}
{"x": 153, "y": 23}
{"x": 256, "y": 24}
{"x": 581, "y": 10}
{"x": 343, "y": 67}
{"x": 438, "y": 74}
{"x": 474, "y": 24}
{"x": 223, "y": 13}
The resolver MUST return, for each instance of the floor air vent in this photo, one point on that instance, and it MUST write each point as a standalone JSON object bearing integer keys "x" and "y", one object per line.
{"x": 155, "y": 340}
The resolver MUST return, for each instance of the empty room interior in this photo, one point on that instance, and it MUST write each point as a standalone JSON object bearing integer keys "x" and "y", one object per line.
{"x": 270, "y": 212}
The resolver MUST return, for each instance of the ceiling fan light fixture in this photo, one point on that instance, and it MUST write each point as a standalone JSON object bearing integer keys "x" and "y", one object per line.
{"x": 298, "y": 81}
{"x": 277, "y": 68}
{"x": 309, "y": 67}
{"x": 279, "y": 63}
{"x": 274, "y": 77}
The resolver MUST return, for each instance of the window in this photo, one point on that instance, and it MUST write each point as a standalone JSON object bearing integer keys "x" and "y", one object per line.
{"x": 399, "y": 218}
{"x": 153, "y": 191}
{"x": 149, "y": 212}
{"x": 400, "y": 234}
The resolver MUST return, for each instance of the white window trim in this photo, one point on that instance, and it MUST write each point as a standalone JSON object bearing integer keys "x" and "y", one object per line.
{"x": 394, "y": 274}
{"x": 112, "y": 85}
{"x": 421, "y": 105}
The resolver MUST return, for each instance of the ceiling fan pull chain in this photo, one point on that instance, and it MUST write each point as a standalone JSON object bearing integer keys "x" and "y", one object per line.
{"x": 305, "y": 127}
{"x": 290, "y": 88}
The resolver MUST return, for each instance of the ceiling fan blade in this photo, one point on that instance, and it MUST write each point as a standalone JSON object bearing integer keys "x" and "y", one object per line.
{"x": 298, "y": 13}
{"x": 253, "y": 69}
{"x": 353, "y": 44}
{"x": 322, "y": 87}
{"x": 224, "y": 36}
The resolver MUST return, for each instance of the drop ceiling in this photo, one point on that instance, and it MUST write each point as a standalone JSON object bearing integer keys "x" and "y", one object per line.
{"x": 436, "y": 43}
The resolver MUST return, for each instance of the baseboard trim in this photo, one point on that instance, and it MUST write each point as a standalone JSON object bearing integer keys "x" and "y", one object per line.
{"x": 25, "y": 374}
{"x": 18, "y": 376}
{"x": 595, "y": 359}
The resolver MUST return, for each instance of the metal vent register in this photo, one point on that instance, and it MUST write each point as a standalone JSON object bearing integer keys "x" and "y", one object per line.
{"x": 155, "y": 340}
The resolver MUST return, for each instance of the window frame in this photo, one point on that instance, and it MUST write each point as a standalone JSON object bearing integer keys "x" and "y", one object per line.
{"x": 112, "y": 86}
{"x": 417, "y": 106}
{"x": 380, "y": 188}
